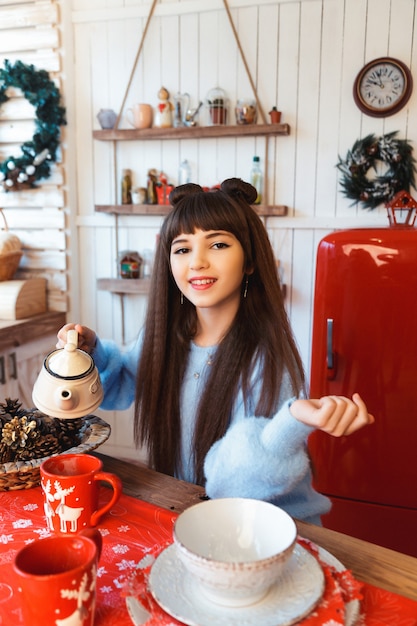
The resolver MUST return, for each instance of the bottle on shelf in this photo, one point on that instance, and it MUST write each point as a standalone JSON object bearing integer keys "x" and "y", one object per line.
{"x": 126, "y": 187}
{"x": 151, "y": 187}
{"x": 184, "y": 173}
{"x": 256, "y": 178}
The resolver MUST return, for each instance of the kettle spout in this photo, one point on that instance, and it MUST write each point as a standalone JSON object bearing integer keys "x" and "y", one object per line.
{"x": 66, "y": 399}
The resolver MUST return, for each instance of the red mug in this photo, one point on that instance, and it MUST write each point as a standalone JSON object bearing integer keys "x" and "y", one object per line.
{"x": 56, "y": 579}
{"x": 71, "y": 487}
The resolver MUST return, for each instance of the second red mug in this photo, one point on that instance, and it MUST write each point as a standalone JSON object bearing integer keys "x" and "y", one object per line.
{"x": 71, "y": 488}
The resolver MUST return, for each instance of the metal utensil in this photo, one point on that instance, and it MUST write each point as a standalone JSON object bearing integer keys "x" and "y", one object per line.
{"x": 192, "y": 114}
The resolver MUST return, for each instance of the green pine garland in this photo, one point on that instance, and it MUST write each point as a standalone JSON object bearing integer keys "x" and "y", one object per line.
{"x": 395, "y": 153}
{"x": 38, "y": 153}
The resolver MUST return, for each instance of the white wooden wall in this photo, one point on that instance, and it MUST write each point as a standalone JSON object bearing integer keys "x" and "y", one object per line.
{"x": 303, "y": 56}
{"x": 29, "y": 32}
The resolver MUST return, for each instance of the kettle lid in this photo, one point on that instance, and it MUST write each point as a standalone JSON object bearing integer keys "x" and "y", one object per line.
{"x": 69, "y": 362}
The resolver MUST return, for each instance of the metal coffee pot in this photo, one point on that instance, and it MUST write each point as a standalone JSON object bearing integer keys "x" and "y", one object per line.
{"x": 68, "y": 386}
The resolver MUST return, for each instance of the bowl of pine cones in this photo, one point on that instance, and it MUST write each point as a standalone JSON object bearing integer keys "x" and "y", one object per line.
{"x": 28, "y": 437}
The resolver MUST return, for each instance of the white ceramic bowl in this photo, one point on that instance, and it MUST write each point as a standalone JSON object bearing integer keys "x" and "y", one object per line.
{"x": 236, "y": 548}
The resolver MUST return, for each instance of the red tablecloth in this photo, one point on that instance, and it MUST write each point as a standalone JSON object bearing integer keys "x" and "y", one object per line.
{"x": 134, "y": 530}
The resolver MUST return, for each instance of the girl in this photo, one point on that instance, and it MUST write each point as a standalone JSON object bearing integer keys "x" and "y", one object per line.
{"x": 216, "y": 377}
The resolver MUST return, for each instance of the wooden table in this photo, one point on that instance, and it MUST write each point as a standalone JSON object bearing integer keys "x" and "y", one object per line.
{"x": 369, "y": 563}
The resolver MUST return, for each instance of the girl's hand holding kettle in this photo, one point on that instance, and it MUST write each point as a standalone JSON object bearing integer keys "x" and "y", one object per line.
{"x": 86, "y": 337}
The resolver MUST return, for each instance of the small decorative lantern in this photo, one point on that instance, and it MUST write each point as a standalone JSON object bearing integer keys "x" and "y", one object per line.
{"x": 402, "y": 201}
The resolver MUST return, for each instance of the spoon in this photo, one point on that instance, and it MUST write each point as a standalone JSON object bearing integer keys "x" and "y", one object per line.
{"x": 189, "y": 118}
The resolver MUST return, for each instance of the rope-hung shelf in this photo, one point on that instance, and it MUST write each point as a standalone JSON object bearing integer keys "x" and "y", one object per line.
{"x": 263, "y": 129}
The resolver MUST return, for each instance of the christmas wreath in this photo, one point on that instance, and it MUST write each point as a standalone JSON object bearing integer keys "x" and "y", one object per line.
{"x": 365, "y": 155}
{"x": 34, "y": 163}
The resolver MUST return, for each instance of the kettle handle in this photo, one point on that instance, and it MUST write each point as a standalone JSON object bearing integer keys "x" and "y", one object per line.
{"x": 72, "y": 340}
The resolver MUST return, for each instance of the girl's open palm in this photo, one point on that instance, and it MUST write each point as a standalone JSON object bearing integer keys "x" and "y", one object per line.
{"x": 335, "y": 415}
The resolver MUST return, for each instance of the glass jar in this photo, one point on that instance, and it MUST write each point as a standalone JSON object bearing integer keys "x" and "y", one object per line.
{"x": 130, "y": 263}
{"x": 246, "y": 111}
{"x": 217, "y": 105}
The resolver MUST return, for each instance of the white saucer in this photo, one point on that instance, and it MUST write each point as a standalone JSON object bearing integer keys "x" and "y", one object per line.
{"x": 294, "y": 597}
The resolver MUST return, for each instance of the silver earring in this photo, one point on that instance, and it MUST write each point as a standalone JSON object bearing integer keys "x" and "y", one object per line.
{"x": 182, "y": 298}
{"x": 245, "y": 292}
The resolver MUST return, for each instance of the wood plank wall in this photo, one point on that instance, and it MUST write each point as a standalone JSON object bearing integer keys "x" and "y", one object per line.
{"x": 303, "y": 56}
{"x": 29, "y": 32}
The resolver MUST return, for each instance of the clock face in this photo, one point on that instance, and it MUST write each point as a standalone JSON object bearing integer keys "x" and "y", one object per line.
{"x": 382, "y": 87}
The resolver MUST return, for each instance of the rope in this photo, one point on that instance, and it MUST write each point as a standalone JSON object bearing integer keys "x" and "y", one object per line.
{"x": 135, "y": 62}
{"x": 229, "y": 15}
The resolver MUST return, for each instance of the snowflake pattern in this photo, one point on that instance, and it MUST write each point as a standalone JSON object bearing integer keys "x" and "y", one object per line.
{"x": 30, "y": 507}
{"x": 120, "y": 548}
{"x": 43, "y": 532}
{"x": 22, "y": 523}
{"x": 6, "y": 556}
{"x": 123, "y": 565}
{"x": 119, "y": 583}
{"x": 6, "y": 539}
{"x": 123, "y": 529}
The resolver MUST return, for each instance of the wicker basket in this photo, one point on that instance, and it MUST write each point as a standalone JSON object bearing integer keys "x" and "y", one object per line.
{"x": 9, "y": 261}
{"x": 26, "y": 474}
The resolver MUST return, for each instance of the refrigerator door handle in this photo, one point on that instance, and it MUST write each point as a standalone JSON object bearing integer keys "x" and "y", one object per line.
{"x": 331, "y": 357}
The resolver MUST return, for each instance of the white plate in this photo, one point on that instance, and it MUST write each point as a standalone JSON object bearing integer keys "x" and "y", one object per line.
{"x": 352, "y": 607}
{"x": 294, "y": 597}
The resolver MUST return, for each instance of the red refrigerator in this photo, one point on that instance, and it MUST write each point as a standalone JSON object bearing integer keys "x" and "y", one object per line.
{"x": 365, "y": 340}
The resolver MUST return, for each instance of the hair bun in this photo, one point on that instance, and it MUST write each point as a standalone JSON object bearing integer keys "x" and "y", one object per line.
{"x": 238, "y": 188}
{"x": 182, "y": 191}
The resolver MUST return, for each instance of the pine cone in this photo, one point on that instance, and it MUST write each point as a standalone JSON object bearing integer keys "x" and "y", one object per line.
{"x": 4, "y": 418}
{"x": 69, "y": 432}
{"x": 19, "y": 432}
{"x": 30, "y": 434}
{"x": 6, "y": 453}
{"x": 45, "y": 446}
{"x": 11, "y": 407}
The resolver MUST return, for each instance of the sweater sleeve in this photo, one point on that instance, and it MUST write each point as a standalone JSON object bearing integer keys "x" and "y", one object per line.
{"x": 259, "y": 458}
{"x": 117, "y": 369}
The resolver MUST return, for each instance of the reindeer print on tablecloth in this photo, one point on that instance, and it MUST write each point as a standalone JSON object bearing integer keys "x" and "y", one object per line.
{"x": 66, "y": 514}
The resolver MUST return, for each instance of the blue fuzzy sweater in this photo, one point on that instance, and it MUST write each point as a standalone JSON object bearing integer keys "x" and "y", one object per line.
{"x": 257, "y": 457}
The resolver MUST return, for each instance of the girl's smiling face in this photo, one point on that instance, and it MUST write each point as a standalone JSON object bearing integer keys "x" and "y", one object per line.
{"x": 208, "y": 267}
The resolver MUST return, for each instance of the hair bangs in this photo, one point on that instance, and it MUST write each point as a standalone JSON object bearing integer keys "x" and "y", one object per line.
{"x": 207, "y": 210}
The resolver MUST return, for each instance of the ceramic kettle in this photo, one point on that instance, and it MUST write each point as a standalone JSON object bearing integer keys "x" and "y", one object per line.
{"x": 68, "y": 386}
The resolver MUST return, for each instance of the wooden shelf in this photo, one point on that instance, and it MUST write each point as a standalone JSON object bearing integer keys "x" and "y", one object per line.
{"x": 133, "y": 209}
{"x": 196, "y": 132}
{"x": 141, "y": 286}
{"x": 124, "y": 285}
{"x": 131, "y": 286}
{"x": 164, "y": 209}
{"x": 19, "y": 332}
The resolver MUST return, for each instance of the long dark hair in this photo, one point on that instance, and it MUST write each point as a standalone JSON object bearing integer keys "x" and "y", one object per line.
{"x": 260, "y": 332}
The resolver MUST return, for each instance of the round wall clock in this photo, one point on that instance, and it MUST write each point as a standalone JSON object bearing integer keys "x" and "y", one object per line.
{"x": 383, "y": 87}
